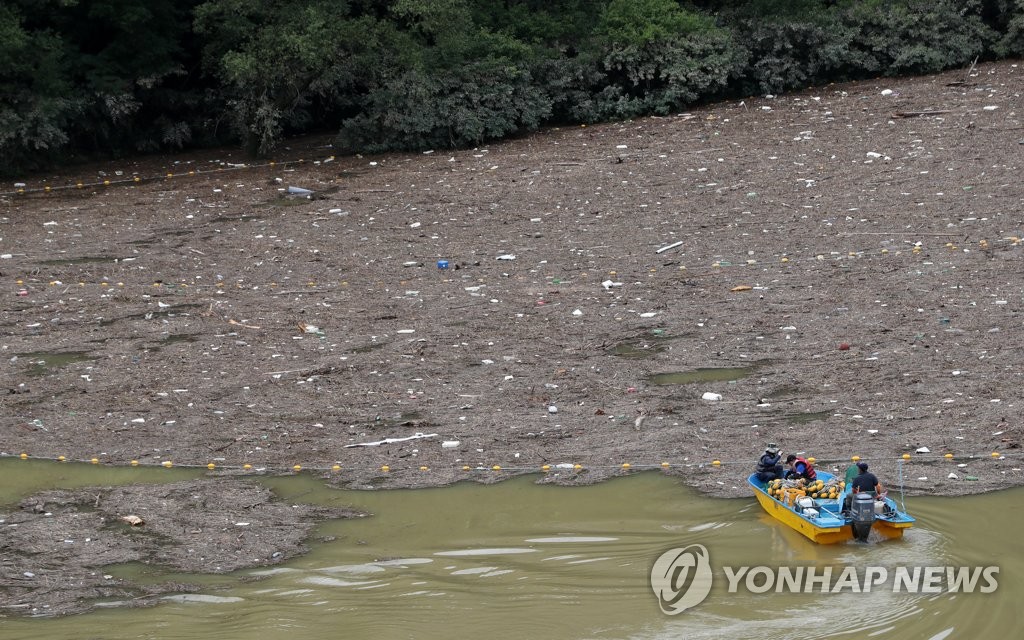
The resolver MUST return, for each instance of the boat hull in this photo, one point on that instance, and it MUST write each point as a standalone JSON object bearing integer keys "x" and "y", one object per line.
{"x": 830, "y": 527}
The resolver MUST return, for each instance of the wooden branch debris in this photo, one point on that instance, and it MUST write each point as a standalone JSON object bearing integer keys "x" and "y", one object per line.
{"x": 897, "y": 233}
{"x": 974, "y": 65}
{"x": 915, "y": 114}
{"x": 243, "y": 325}
{"x": 964, "y": 82}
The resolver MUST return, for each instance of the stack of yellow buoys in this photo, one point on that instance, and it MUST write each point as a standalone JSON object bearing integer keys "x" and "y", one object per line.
{"x": 831, "y": 489}
{"x": 786, "y": 490}
{"x": 789, "y": 490}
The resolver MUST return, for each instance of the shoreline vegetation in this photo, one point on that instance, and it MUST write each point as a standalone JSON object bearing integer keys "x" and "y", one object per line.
{"x": 103, "y": 80}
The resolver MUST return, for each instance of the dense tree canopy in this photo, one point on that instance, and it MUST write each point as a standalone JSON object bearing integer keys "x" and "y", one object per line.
{"x": 85, "y": 78}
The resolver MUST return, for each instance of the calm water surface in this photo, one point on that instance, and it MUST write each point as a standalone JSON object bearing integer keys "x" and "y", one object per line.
{"x": 519, "y": 560}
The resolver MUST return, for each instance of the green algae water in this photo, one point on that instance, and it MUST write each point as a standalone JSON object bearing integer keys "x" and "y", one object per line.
{"x": 520, "y": 560}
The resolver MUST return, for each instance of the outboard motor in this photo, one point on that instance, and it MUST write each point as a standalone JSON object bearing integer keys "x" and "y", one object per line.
{"x": 862, "y": 513}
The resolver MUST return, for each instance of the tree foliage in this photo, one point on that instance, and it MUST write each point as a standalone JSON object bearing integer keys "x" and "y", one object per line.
{"x": 281, "y": 62}
{"x": 81, "y": 78}
{"x": 101, "y": 77}
{"x": 916, "y": 36}
{"x": 34, "y": 109}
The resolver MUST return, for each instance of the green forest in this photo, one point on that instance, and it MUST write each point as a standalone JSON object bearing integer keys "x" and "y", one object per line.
{"x": 86, "y": 79}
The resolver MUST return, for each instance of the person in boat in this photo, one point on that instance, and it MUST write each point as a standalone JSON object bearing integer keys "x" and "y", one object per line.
{"x": 800, "y": 468}
{"x": 851, "y": 472}
{"x": 864, "y": 481}
{"x": 769, "y": 466}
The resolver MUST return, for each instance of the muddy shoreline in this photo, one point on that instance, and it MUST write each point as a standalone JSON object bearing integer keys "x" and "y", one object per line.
{"x": 839, "y": 270}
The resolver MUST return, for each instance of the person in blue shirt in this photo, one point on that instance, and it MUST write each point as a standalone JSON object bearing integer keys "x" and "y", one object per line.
{"x": 800, "y": 468}
{"x": 769, "y": 466}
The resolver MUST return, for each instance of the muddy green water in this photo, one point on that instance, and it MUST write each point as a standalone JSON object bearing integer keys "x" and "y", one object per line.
{"x": 704, "y": 374}
{"x": 519, "y": 560}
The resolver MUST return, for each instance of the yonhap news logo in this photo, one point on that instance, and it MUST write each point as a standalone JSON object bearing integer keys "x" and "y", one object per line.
{"x": 682, "y": 578}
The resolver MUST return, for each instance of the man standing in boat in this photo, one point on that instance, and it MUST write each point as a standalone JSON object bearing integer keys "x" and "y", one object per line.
{"x": 800, "y": 468}
{"x": 769, "y": 467}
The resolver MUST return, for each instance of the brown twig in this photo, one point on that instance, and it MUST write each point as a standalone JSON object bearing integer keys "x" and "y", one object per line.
{"x": 896, "y": 233}
{"x": 239, "y": 324}
{"x": 971, "y": 70}
{"x": 914, "y": 114}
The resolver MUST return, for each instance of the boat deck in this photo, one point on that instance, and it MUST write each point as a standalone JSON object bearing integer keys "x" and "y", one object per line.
{"x": 829, "y": 525}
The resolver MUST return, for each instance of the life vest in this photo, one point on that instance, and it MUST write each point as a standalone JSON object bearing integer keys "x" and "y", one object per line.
{"x": 809, "y": 473}
{"x": 768, "y": 462}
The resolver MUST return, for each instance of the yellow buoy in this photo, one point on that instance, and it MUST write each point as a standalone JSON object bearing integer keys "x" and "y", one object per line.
{"x": 906, "y": 456}
{"x": 577, "y": 467}
{"x": 812, "y": 460}
{"x": 166, "y": 463}
{"x": 134, "y": 463}
{"x": 546, "y": 467}
{"x": 61, "y": 459}
{"x": 948, "y": 456}
{"x": 465, "y": 467}
{"x": 211, "y": 466}
{"x": 24, "y": 456}
{"x": 247, "y": 467}
{"x": 297, "y": 467}
{"x": 424, "y": 468}
{"x": 336, "y": 468}
{"x": 95, "y": 461}
{"x": 625, "y": 465}
{"x": 995, "y": 454}
{"x": 385, "y": 468}
{"x": 665, "y": 465}
{"x": 855, "y": 458}
{"x": 716, "y": 463}
{"x": 496, "y": 467}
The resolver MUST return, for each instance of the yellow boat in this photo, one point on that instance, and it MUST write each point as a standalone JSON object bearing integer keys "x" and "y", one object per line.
{"x": 824, "y": 521}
